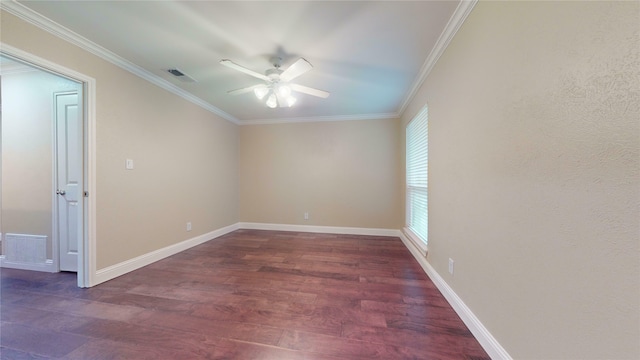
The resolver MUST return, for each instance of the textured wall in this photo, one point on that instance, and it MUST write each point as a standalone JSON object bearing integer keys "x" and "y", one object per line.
{"x": 186, "y": 158}
{"x": 534, "y": 175}
{"x": 342, "y": 173}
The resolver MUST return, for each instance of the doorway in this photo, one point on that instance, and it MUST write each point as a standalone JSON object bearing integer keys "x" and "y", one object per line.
{"x": 44, "y": 222}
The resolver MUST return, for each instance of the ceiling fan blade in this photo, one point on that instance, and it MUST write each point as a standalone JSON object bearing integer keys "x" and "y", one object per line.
{"x": 309, "y": 91}
{"x": 245, "y": 90}
{"x": 232, "y": 65}
{"x": 298, "y": 68}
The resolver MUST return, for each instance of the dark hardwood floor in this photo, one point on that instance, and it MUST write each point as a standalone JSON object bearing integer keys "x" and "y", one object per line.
{"x": 246, "y": 295}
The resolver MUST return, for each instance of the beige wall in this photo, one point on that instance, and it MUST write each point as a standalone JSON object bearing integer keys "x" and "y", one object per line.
{"x": 534, "y": 175}
{"x": 185, "y": 157}
{"x": 27, "y": 150}
{"x": 342, "y": 173}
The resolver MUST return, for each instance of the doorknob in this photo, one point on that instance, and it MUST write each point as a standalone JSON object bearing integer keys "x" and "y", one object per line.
{"x": 60, "y": 192}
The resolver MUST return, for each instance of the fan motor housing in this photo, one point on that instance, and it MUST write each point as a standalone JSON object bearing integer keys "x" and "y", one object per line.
{"x": 273, "y": 74}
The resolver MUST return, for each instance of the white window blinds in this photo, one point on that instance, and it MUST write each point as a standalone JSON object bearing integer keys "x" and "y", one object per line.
{"x": 417, "y": 160}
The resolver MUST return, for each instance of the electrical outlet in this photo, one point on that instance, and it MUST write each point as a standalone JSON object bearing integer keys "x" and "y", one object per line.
{"x": 189, "y": 226}
{"x": 306, "y": 216}
{"x": 451, "y": 266}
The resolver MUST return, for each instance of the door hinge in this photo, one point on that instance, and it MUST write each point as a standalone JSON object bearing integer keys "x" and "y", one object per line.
{"x": 86, "y": 194}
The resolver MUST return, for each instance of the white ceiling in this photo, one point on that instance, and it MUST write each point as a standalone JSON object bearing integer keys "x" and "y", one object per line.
{"x": 370, "y": 55}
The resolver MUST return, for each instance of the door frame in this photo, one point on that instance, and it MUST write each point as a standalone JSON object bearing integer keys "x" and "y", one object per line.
{"x": 87, "y": 245}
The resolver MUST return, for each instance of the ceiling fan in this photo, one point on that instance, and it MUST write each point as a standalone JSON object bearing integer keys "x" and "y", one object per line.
{"x": 277, "y": 87}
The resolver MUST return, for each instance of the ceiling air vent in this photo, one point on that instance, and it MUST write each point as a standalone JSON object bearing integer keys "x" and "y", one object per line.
{"x": 180, "y": 75}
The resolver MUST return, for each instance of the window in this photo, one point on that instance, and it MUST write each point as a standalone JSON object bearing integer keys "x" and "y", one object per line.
{"x": 417, "y": 160}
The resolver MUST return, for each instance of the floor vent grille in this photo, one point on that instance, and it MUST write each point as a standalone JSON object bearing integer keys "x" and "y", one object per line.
{"x": 26, "y": 249}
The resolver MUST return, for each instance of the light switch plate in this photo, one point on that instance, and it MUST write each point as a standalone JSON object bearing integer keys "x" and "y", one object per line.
{"x": 129, "y": 164}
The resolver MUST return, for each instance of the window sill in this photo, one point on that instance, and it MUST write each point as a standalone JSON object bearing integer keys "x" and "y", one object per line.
{"x": 415, "y": 241}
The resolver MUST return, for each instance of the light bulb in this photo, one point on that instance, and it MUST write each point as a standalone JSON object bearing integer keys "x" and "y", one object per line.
{"x": 272, "y": 102}
{"x": 261, "y": 92}
{"x": 291, "y": 100}
{"x": 284, "y": 90}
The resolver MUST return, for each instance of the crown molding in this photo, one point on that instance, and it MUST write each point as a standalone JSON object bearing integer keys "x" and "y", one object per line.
{"x": 455, "y": 22}
{"x": 66, "y": 34}
{"x": 320, "y": 119}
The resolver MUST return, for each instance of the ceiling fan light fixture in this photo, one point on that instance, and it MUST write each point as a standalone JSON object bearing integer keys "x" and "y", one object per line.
{"x": 278, "y": 87}
{"x": 272, "y": 102}
{"x": 284, "y": 90}
{"x": 261, "y": 92}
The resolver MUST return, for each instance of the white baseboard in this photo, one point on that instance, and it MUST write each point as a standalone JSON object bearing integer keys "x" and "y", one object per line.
{"x": 124, "y": 267}
{"x": 47, "y": 266}
{"x": 484, "y": 337}
{"x": 319, "y": 229}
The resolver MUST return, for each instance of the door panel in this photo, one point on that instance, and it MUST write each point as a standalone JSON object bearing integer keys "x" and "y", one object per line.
{"x": 68, "y": 178}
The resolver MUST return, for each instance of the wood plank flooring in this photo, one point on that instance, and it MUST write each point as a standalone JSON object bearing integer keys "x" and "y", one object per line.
{"x": 246, "y": 295}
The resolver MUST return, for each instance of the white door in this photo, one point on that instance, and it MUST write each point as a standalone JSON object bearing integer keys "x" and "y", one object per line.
{"x": 68, "y": 178}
